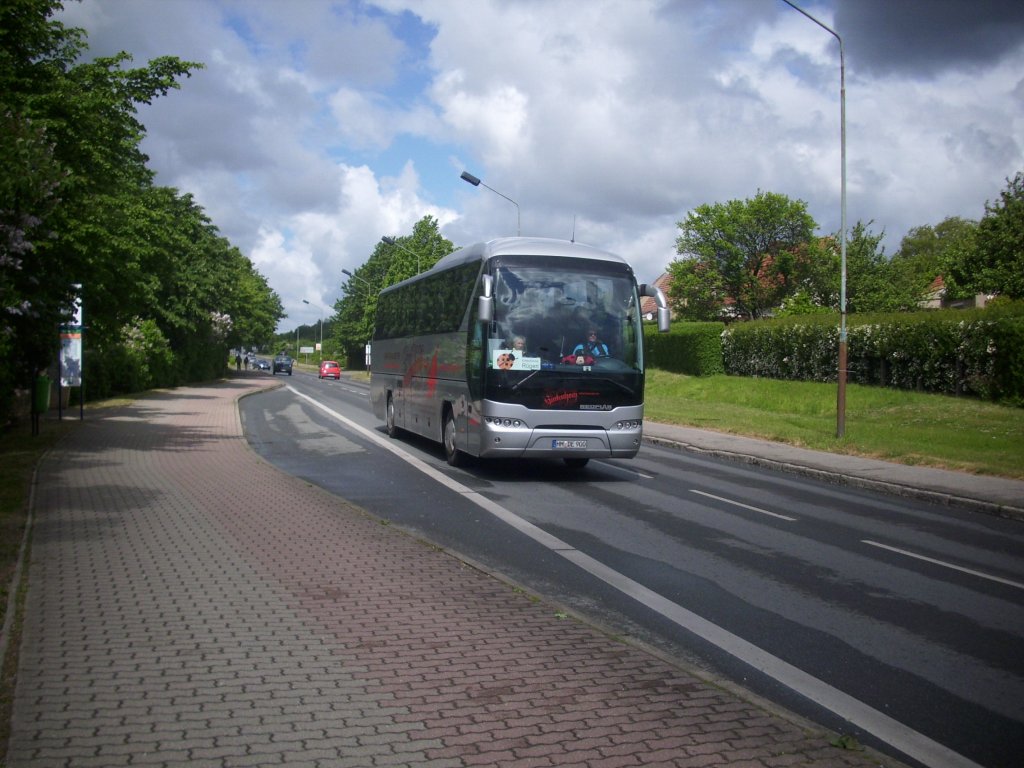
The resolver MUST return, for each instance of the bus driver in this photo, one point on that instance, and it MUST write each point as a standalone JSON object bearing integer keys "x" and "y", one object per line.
{"x": 585, "y": 352}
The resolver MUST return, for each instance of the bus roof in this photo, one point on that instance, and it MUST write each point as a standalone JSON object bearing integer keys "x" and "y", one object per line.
{"x": 516, "y": 246}
{"x": 526, "y": 246}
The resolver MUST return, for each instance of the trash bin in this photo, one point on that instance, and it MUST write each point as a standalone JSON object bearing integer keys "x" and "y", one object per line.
{"x": 41, "y": 395}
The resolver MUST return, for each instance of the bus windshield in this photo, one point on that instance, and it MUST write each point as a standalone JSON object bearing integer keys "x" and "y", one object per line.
{"x": 563, "y": 324}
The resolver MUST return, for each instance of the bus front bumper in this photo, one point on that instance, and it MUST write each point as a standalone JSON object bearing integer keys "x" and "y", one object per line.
{"x": 554, "y": 443}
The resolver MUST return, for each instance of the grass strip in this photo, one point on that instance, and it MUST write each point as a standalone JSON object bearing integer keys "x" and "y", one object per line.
{"x": 925, "y": 429}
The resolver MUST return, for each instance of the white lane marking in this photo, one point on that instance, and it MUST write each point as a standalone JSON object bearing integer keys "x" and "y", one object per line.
{"x": 745, "y": 506}
{"x": 626, "y": 470}
{"x": 944, "y": 564}
{"x": 906, "y": 740}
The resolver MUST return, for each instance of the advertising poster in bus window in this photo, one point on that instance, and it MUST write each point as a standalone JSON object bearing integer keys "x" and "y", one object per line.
{"x": 512, "y": 360}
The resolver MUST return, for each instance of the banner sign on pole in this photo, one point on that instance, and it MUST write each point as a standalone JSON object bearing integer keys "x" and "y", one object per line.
{"x": 71, "y": 349}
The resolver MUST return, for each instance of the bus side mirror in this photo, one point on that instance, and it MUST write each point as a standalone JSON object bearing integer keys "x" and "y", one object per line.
{"x": 485, "y": 309}
{"x": 664, "y": 315}
{"x": 485, "y": 304}
{"x": 664, "y": 319}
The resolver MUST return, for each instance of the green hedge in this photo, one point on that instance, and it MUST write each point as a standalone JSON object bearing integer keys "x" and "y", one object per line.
{"x": 691, "y": 348}
{"x": 973, "y": 352}
{"x": 143, "y": 359}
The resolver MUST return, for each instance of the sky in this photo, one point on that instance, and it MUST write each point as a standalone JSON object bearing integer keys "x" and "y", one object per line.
{"x": 318, "y": 127}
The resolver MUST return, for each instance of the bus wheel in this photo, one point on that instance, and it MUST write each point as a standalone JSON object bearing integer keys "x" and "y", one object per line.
{"x": 576, "y": 463}
{"x": 390, "y": 418}
{"x": 453, "y": 455}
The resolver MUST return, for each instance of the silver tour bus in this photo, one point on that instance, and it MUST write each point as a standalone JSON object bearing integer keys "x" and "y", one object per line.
{"x": 516, "y": 348}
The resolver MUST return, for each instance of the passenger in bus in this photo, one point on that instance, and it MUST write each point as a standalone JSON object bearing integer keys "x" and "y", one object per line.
{"x": 519, "y": 344}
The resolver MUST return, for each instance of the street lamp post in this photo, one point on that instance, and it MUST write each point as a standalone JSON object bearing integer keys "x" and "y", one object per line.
{"x": 368, "y": 289}
{"x": 360, "y": 279}
{"x": 321, "y": 329}
{"x": 469, "y": 177}
{"x": 369, "y": 286}
{"x": 395, "y": 244}
{"x": 841, "y": 395}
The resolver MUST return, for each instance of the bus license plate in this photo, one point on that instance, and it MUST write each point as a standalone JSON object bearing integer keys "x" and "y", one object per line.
{"x": 570, "y": 444}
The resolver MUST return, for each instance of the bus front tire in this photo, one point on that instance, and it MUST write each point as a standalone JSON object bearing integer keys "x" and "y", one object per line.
{"x": 452, "y": 454}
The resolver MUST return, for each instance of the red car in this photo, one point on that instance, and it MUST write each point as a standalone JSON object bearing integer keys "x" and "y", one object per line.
{"x": 330, "y": 370}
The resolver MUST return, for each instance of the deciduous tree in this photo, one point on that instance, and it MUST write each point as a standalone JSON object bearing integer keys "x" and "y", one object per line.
{"x": 996, "y": 264}
{"x": 750, "y": 245}
{"x": 388, "y": 264}
{"x": 926, "y": 252}
{"x": 695, "y": 292}
{"x": 78, "y": 206}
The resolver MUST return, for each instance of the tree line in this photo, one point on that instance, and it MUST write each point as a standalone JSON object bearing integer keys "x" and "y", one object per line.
{"x": 163, "y": 294}
{"x": 746, "y": 259}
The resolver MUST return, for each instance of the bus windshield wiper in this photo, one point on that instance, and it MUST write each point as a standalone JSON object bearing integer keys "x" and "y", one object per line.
{"x": 523, "y": 380}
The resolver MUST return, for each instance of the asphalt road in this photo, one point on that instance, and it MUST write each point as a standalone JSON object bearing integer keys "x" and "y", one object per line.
{"x": 816, "y": 576}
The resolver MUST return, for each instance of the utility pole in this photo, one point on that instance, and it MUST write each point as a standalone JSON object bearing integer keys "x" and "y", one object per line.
{"x": 841, "y": 394}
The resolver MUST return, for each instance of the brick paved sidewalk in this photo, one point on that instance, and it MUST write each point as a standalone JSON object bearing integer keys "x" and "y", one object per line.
{"x": 190, "y": 604}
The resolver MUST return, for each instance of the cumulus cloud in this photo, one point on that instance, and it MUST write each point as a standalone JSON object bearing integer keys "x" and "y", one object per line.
{"x": 317, "y": 127}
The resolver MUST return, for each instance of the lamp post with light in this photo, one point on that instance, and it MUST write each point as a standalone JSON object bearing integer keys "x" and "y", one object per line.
{"x": 360, "y": 279}
{"x": 841, "y": 396}
{"x": 321, "y": 329}
{"x": 395, "y": 244}
{"x": 368, "y": 289}
{"x": 470, "y": 178}
{"x": 364, "y": 281}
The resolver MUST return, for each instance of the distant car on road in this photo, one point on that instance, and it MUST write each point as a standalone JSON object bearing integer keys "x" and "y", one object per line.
{"x": 263, "y": 365}
{"x": 282, "y": 364}
{"x": 330, "y": 370}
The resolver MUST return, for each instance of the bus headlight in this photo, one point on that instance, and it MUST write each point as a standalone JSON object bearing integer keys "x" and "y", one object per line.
{"x": 506, "y": 423}
{"x": 629, "y": 425}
